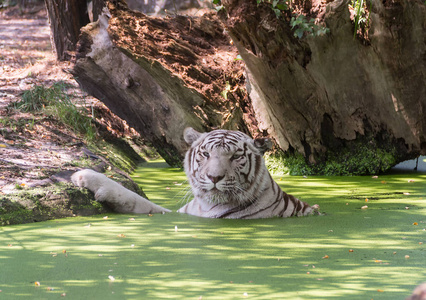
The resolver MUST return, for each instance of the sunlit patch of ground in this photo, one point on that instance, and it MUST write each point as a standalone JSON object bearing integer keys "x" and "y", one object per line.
{"x": 34, "y": 145}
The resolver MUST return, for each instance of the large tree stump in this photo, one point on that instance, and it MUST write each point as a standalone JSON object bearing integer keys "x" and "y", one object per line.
{"x": 327, "y": 92}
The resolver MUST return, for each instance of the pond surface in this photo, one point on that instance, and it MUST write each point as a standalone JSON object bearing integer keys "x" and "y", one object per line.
{"x": 378, "y": 252}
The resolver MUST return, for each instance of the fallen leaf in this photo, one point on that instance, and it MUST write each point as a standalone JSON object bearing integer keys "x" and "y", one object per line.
{"x": 326, "y": 256}
{"x": 380, "y": 291}
{"x": 37, "y": 283}
{"x": 407, "y": 256}
{"x": 121, "y": 235}
{"x": 415, "y": 223}
{"x": 364, "y": 207}
{"x": 351, "y": 250}
{"x": 411, "y": 180}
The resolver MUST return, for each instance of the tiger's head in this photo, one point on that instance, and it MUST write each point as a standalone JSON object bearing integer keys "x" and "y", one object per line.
{"x": 225, "y": 166}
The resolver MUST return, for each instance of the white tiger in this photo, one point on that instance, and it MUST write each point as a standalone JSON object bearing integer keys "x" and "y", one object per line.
{"x": 227, "y": 175}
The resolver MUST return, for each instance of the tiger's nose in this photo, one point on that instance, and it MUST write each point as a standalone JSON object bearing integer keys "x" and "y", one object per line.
{"x": 215, "y": 179}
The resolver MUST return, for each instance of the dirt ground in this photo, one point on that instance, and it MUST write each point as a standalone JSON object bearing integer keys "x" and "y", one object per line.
{"x": 34, "y": 147}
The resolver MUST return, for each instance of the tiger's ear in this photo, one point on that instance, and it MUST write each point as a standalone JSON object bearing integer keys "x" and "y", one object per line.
{"x": 191, "y": 135}
{"x": 263, "y": 144}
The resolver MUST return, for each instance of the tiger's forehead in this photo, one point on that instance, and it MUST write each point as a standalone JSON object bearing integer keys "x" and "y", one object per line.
{"x": 225, "y": 140}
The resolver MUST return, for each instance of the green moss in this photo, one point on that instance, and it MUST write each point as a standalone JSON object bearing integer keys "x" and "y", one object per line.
{"x": 117, "y": 152}
{"x": 39, "y": 204}
{"x": 13, "y": 213}
{"x": 360, "y": 158}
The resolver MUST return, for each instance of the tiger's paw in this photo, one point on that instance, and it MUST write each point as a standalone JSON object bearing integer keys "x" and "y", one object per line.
{"x": 315, "y": 209}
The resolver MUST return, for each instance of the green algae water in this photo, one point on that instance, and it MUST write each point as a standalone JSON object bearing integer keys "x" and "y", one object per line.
{"x": 369, "y": 244}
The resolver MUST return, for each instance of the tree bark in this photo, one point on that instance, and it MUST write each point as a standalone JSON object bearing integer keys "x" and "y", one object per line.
{"x": 66, "y": 17}
{"x": 97, "y": 7}
{"x": 162, "y": 75}
{"x": 319, "y": 93}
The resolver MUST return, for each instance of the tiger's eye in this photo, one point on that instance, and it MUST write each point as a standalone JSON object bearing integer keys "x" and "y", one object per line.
{"x": 236, "y": 156}
{"x": 206, "y": 154}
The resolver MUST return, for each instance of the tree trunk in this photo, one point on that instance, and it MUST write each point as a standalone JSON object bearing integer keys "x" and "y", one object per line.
{"x": 332, "y": 97}
{"x": 324, "y": 93}
{"x": 97, "y": 7}
{"x": 66, "y": 17}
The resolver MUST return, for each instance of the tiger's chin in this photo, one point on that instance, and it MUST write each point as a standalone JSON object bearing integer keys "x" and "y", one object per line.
{"x": 216, "y": 196}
